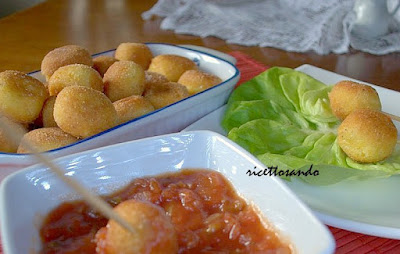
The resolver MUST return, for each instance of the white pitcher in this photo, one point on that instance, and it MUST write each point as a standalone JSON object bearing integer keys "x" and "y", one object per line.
{"x": 372, "y": 18}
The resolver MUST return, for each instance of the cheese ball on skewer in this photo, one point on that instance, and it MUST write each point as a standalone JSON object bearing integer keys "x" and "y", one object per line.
{"x": 102, "y": 63}
{"x": 45, "y": 139}
{"x": 164, "y": 94}
{"x": 367, "y": 136}
{"x": 74, "y": 75}
{"x": 155, "y": 232}
{"x": 171, "y": 66}
{"x": 7, "y": 145}
{"x": 123, "y": 79}
{"x": 197, "y": 81}
{"x": 132, "y": 107}
{"x": 83, "y": 112}
{"x": 21, "y": 96}
{"x": 347, "y": 96}
{"x": 136, "y": 52}
{"x": 66, "y": 55}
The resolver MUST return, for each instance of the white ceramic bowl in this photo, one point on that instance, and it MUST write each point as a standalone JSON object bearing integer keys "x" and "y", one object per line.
{"x": 169, "y": 119}
{"x": 31, "y": 193}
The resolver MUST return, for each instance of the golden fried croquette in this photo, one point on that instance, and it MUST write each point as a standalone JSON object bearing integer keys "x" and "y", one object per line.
{"x": 74, "y": 75}
{"x": 154, "y": 78}
{"x": 132, "y": 107}
{"x": 136, "y": 52}
{"x": 163, "y": 94}
{"x": 347, "y": 96}
{"x": 155, "y": 233}
{"x": 46, "y": 118}
{"x": 197, "y": 81}
{"x": 171, "y": 66}
{"x": 102, "y": 63}
{"x": 367, "y": 136}
{"x": 45, "y": 139}
{"x": 66, "y": 55}
{"x": 8, "y": 145}
{"x": 21, "y": 96}
{"x": 123, "y": 79}
{"x": 83, "y": 112}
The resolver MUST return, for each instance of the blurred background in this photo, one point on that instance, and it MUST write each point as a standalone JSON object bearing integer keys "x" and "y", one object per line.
{"x": 8, "y": 7}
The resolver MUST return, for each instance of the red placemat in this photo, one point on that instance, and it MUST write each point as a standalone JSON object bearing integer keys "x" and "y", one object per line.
{"x": 346, "y": 241}
{"x": 249, "y": 68}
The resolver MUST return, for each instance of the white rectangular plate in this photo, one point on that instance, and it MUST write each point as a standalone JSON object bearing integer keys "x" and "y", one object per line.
{"x": 370, "y": 207}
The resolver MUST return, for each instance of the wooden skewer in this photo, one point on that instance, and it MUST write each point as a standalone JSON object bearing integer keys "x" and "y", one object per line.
{"x": 14, "y": 134}
{"x": 394, "y": 117}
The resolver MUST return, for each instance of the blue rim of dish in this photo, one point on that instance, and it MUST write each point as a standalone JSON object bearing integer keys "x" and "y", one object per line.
{"x": 237, "y": 72}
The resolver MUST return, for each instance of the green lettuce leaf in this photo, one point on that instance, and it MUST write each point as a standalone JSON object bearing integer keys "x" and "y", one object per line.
{"x": 241, "y": 112}
{"x": 265, "y": 86}
{"x": 302, "y": 150}
{"x": 390, "y": 165}
{"x": 263, "y": 135}
{"x": 309, "y": 97}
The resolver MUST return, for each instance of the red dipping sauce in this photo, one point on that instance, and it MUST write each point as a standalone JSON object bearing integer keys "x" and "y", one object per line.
{"x": 208, "y": 216}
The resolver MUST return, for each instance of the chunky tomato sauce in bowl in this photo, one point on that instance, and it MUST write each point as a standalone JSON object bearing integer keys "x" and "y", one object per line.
{"x": 218, "y": 210}
{"x": 206, "y": 212}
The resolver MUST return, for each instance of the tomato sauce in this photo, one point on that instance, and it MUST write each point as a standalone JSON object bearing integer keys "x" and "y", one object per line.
{"x": 208, "y": 216}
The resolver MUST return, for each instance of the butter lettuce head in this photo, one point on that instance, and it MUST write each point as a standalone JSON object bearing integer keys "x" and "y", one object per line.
{"x": 284, "y": 118}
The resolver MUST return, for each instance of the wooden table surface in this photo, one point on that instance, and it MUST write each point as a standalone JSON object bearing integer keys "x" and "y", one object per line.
{"x": 99, "y": 25}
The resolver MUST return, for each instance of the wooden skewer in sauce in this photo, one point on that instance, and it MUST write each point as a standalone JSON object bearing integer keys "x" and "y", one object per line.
{"x": 15, "y": 135}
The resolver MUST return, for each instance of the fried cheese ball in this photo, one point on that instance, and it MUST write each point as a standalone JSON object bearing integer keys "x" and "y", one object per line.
{"x": 197, "y": 81}
{"x": 171, "y": 66}
{"x": 154, "y": 78}
{"x": 132, "y": 107}
{"x": 74, "y": 75}
{"x": 21, "y": 96}
{"x": 155, "y": 233}
{"x": 123, "y": 79}
{"x": 45, "y": 139}
{"x": 102, "y": 63}
{"x": 46, "y": 118}
{"x": 66, "y": 55}
{"x": 347, "y": 96}
{"x": 164, "y": 94}
{"x": 136, "y": 52}
{"x": 367, "y": 136}
{"x": 83, "y": 112}
{"x": 8, "y": 145}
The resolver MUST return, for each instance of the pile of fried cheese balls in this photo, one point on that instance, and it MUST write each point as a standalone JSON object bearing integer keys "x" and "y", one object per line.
{"x": 366, "y": 134}
{"x": 84, "y": 96}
